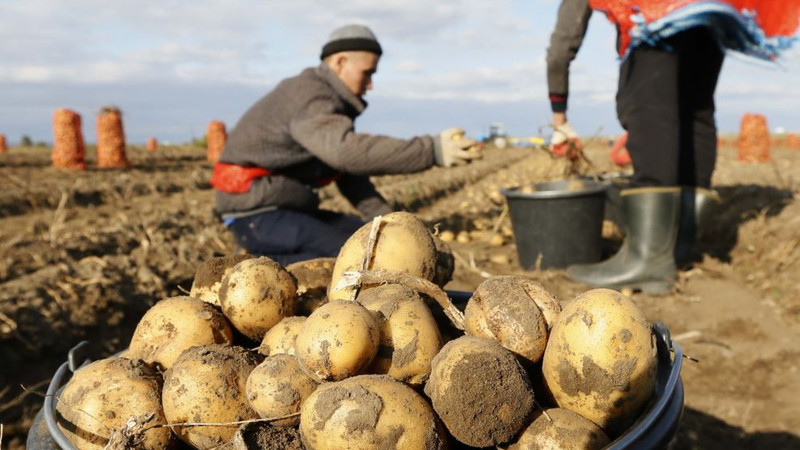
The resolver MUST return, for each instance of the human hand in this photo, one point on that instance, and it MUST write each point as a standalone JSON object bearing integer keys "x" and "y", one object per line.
{"x": 451, "y": 149}
{"x": 563, "y": 138}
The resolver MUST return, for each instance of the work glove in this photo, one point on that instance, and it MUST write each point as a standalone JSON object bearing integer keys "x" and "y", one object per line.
{"x": 451, "y": 148}
{"x": 563, "y": 136}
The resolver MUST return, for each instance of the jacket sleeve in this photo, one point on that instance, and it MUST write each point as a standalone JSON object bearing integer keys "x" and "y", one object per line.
{"x": 362, "y": 194}
{"x": 330, "y": 136}
{"x": 566, "y": 40}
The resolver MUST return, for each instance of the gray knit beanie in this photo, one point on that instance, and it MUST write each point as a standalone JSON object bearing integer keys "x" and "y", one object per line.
{"x": 351, "y": 38}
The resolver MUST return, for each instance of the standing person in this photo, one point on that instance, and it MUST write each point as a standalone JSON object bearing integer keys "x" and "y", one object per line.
{"x": 672, "y": 54}
{"x": 301, "y": 136}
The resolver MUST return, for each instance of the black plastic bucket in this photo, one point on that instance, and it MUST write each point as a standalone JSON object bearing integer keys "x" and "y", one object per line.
{"x": 654, "y": 429}
{"x": 564, "y": 227}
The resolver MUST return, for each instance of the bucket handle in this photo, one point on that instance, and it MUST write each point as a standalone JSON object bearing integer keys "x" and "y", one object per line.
{"x": 77, "y": 357}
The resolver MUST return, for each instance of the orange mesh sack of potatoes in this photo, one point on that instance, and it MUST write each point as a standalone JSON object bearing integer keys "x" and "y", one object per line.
{"x": 793, "y": 141}
{"x": 216, "y": 137}
{"x": 68, "y": 148}
{"x": 111, "y": 139}
{"x": 3, "y": 144}
{"x": 152, "y": 144}
{"x": 754, "y": 142}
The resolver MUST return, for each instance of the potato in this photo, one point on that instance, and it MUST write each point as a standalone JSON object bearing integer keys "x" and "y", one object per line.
{"x": 369, "y": 412}
{"x": 480, "y": 391}
{"x": 209, "y": 275}
{"x": 256, "y": 295}
{"x": 403, "y": 244}
{"x": 101, "y": 397}
{"x": 338, "y": 340}
{"x": 208, "y": 385}
{"x": 515, "y": 311}
{"x": 313, "y": 278}
{"x": 445, "y": 262}
{"x": 263, "y": 436}
{"x": 173, "y": 325}
{"x": 278, "y": 387}
{"x": 409, "y": 334}
{"x": 281, "y": 337}
{"x": 600, "y": 361}
{"x": 560, "y": 429}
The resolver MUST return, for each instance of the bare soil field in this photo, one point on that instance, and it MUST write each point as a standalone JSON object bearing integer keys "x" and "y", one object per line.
{"x": 84, "y": 254}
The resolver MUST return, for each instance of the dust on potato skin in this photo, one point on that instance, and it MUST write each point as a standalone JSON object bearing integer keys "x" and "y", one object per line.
{"x": 508, "y": 307}
{"x": 173, "y": 325}
{"x": 371, "y": 411}
{"x": 227, "y": 368}
{"x": 562, "y": 428}
{"x": 210, "y": 272}
{"x": 313, "y": 278}
{"x": 103, "y": 395}
{"x": 460, "y": 396}
{"x": 264, "y": 436}
{"x": 611, "y": 386}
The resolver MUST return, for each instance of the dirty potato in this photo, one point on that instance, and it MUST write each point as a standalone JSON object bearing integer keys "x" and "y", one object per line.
{"x": 175, "y": 324}
{"x": 209, "y": 275}
{"x": 338, "y": 340}
{"x": 409, "y": 334}
{"x": 281, "y": 337}
{"x": 313, "y": 278}
{"x": 101, "y": 397}
{"x": 464, "y": 389}
{"x": 369, "y": 412}
{"x": 560, "y": 429}
{"x": 403, "y": 244}
{"x": 256, "y": 295}
{"x": 600, "y": 361}
{"x": 515, "y": 311}
{"x": 278, "y": 387}
{"x": 208, "y": 385}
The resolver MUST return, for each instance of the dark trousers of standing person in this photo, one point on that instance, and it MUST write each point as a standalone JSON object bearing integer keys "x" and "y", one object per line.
{"x": 288, "y": 236}
{"x": 666, "y": 102}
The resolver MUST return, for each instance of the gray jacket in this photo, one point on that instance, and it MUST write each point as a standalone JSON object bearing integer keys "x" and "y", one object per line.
{"x": 303, "y": 130}
{"x": 566, "y": 40}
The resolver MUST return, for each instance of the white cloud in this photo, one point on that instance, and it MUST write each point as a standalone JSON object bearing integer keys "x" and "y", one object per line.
{"x": 408, "y": 66}
{"x": 487, "y": 53}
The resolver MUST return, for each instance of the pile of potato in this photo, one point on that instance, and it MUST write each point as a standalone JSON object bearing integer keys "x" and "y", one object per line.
{"x": 378, "y": 359}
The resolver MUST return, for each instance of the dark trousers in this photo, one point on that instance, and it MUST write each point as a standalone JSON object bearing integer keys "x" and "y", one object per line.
{"x": 288, "y": 236}
{"x": 665, "y": 101}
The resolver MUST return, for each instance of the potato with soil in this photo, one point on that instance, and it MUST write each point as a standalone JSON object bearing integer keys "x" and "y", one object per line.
{"x": 480, "y": 391}
{"x": 175, "y": 324}
{"x": 403, "y": 244}
{"x": 209, "y": 275}
{"x": 560, "y": 429}
{"x": 409, "y": 334}
{"x": 445, "y": 262}
{"x": 101, "y": 397}
{"x": 208, "y": 385}
{"x": 313, "y": 278}
{"x": 256, "y": 295}
{"x": 515, "y": 311}
{"x": 369, "y": 412}
{"x": 338, "y": 340}
{"x": 600, "y": 361}
{"x": 281, "y": 338}
{"x": 278, "y": 387}
{"x": 263, "y": 436}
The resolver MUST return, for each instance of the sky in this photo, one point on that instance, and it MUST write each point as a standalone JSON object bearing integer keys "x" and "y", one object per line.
{"x": 172, "y": 66}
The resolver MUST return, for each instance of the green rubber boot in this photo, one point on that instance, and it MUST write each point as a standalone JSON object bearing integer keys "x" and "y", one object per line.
{"x": 646, "y": 260}
{"x": 697, "y": 206}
